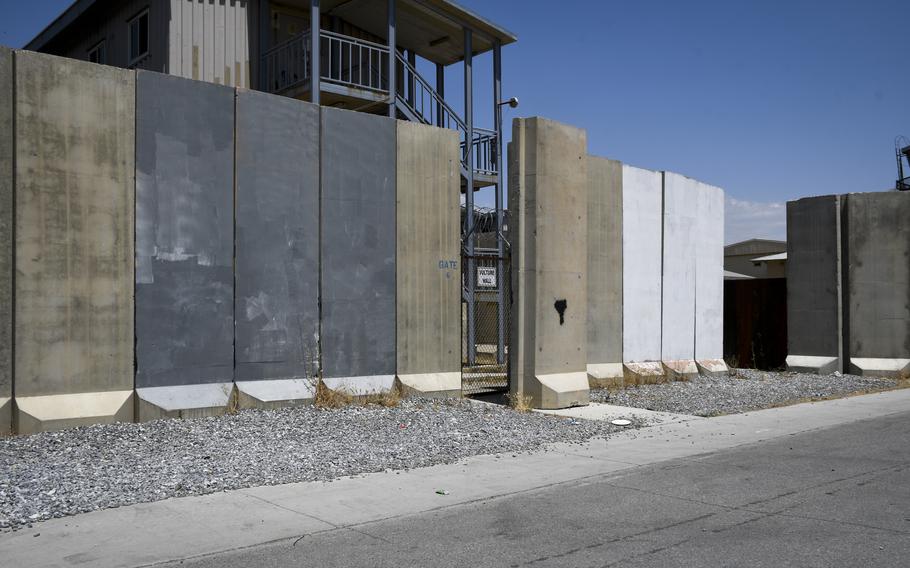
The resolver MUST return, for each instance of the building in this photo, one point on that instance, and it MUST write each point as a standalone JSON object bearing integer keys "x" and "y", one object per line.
{"x": 269, "y": 46}
{"x": 755, "y": 303}
{"x": 756, "y": 258}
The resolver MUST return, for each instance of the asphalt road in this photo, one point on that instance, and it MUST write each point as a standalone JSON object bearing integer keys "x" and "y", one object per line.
{"x": 836, "y": 497}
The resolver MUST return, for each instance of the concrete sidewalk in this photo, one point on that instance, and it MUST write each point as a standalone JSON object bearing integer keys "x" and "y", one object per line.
{"x": 184, "y": 528}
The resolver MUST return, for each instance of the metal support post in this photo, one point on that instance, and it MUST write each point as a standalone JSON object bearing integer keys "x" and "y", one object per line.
{"x": 469, "y": 190}
{"x": 315, "y": 88}
{"x": 500, "y": 244}
{"x": 441, "y": 90}
{"x": 412, "y": 60}
{"x": 393, "y": 61}
{"x": 265, "y": 26}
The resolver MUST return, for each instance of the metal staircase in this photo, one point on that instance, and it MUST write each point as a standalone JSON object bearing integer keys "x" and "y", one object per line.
{"x": 419, "y": 102}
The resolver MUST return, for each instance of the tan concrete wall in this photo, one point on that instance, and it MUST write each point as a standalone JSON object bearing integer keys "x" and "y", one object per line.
{"x": 547, "y": 206}
{"x": 6, "y": 237}
{"x": 428, "y": 251}
{"x": 75, "y": 146}
{"x": 604, "y": 261}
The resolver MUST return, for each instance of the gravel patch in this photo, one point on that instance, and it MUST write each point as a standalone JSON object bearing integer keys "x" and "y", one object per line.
{"x": 746, "y": 390}
{"x": 57, "y": 474}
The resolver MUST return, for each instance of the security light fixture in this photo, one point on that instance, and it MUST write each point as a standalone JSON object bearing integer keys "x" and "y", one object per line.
{"x": 513, "y": 102}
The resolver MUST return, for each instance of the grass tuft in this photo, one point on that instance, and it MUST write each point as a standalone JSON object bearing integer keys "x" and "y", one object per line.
{"x": 519, "y": 402}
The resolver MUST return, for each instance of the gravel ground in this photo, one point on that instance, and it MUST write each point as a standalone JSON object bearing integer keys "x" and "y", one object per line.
{"x": 75, "y": 471}
{"x": 747, "y": 390}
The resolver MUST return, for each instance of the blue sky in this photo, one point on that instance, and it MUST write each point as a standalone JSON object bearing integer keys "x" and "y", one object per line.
{"x": 771, "y": 100}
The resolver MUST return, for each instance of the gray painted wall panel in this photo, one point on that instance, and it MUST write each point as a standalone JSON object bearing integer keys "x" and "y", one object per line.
{"x": 358, "y": 244}
{"x": 604, "y": 261}
{"x": 878, "y": 253}
{"x": 277, "y": 271}
{"x": 813, "y": 279}
{"x": 184, "y": 231}
{"x": 75, "y": 145}
{"x": 6, "y": 229}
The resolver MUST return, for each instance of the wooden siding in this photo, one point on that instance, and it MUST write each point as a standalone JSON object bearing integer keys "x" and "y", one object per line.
{"x": 214, "y": 40}
{"x": 113, "y": 28}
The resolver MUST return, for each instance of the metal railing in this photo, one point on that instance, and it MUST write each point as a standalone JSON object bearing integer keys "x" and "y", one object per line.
{"x": 430, "y": 108}
{"x": 287, "y": 65}
{"x": 344, "y": 60}
{"x": 485, "y": 147}
{"x": 362, "y": 64}
{"x": 354, "y": 62}
{"x": 426, "y": 102}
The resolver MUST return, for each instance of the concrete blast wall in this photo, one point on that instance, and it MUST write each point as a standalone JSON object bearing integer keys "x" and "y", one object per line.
{"x": 428, "y": 265}
{"x": 6, "y": 239}
{"x": 113, "y": 181}
{"x": 605, "y": 270}
{"x": 814, "y": 284}
{"x": 358, "y": 251}
{"x": 277, "y": 249}
{"x": 709, "y": 278}
{"x": 184, "y": 246}
{"x": 877, "y": 301}
{"x": 74, "y": 185}
{"x": 641, "y": 279}
{"x": 678, "y": 287}
{"x": 547, "y": 211}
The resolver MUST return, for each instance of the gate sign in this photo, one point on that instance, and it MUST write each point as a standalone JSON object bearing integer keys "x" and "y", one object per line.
{"x": 486, "y": 276}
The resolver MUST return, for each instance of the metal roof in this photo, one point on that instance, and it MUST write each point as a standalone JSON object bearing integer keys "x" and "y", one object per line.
{"x": 730, "y": 275}
{"x": 76, "y": 9}
{"x": 778, "y": 256}
{"x": 755, "y": 246}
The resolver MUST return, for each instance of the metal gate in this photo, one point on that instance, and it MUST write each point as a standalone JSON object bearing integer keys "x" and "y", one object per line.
{"x": 485, "y": 321}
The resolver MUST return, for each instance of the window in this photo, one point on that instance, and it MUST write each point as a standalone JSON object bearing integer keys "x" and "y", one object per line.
{"x": 139, "y": 37}
{"x": 98, "y": 54}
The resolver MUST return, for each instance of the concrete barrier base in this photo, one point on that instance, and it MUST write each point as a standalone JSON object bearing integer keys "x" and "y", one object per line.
{"x": 34, "y": 414}
{"x": 643, "y": 373}
{"x": 431, "y": 384}
{"x": 890, "y": 368}
{"x": 559, "y": 390}
{"x": 276, "y": 393}
{"x": 680, "y": 370}
{"x": 6, "y": 415}
{"x": 187, "y": 401}
{"x": 605, "y": 376}
{"x": 811, "y": 364}
{"x": 361, "y": 386}
{"x": 712, "y": 367}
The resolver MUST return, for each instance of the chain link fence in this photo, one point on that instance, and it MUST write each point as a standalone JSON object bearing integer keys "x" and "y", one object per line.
{"x": 485, "y": 337}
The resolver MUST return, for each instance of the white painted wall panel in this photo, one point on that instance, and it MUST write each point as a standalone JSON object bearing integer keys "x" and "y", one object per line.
{"x": 679, "y": 236}
{"x": 641, "y": 249}
{"x": 709, "y": 272}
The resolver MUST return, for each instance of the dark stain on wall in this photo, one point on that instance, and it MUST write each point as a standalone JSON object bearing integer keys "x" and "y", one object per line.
{"x": 561, "y": 306}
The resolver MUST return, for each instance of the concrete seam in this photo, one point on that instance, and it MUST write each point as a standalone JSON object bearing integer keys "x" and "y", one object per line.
{"x": 135, "y": 74}
{"x": 234, "y": 245}
{"x": 320, "y": 142}
{"x": 663, "y": 213}
{"x": 839, "y": 284}
{"x": 844, "y": 283}
{"x": 395, "y": 248}
{"x": 13, "y": 235}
